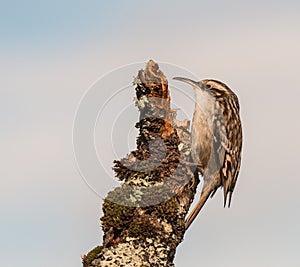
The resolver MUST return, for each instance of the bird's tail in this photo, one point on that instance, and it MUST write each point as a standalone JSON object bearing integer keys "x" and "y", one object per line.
{"x": 206, "y": 192}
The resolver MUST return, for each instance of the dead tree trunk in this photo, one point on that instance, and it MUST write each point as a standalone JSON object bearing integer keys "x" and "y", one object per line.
{"x": 143, "y": 220}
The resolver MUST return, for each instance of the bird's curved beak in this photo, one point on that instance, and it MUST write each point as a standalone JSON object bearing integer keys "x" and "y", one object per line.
{"x": 189, "y": 81}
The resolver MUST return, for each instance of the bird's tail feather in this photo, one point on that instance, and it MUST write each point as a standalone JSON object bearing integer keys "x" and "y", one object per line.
{"x": 204, "y": 196}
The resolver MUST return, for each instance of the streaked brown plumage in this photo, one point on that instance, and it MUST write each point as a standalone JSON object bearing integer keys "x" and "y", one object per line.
{"x": 216, "y": 139}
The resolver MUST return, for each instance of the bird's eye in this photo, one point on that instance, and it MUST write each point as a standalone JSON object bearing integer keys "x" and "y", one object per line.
{"x": 207, "y": 86}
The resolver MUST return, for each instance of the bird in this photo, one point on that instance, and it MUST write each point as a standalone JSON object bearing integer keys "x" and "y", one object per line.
{"x": 216, "y": 139}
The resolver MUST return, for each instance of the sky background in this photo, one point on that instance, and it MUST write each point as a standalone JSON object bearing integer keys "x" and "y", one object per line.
{"x": 51, "y": 52}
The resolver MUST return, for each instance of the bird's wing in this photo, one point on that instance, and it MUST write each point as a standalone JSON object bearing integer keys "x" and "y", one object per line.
{"x": 221, "y": 158}
{"x": 228, "y": 146}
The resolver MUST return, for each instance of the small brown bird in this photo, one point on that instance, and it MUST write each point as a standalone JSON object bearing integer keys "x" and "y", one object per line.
{"x": 216, "y": 139}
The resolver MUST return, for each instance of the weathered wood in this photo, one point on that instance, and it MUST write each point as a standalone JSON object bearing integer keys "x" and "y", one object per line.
{"x": 143, "y": 220}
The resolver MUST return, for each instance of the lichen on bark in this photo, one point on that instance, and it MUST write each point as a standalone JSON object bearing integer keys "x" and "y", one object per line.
{"x": 143, "y": 220}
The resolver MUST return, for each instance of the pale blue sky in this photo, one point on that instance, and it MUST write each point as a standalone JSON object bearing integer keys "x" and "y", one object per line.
{"x": 52, "y": 51}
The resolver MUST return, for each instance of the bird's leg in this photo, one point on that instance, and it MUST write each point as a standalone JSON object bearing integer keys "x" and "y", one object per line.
{"x": 198, "y": 166}
{"x": 195, "y": 167}
{"x": 195, "y": 178}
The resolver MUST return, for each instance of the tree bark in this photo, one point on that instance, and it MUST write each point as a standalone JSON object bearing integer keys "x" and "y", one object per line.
{"x": 143, "y": 220}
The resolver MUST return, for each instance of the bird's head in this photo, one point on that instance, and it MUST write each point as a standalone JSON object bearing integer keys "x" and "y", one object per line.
{"x": 212, "y": 87}
{"x": 209, "y": 87}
